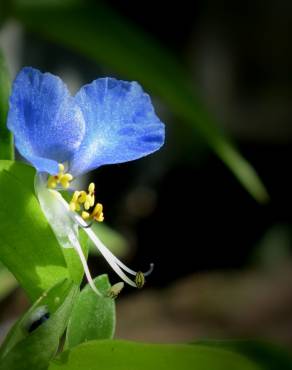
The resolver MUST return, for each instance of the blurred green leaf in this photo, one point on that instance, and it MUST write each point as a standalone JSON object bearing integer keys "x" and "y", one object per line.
{"x": 104, "y": 36}
{"x": 121, "y": 355}
{"x": 7, "y": 282}
{"x": 92, "y": 317}
{"x": 269, "y": 356}
{"x": 26, "y": 351}
{"x": 116, "y": 243}
{"x": 6, "y": 142}
{"x": 274, "y": 248}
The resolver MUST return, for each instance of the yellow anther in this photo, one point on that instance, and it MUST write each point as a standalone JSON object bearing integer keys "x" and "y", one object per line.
{"x": 65, "y": 180}
{"x": 83, "y": 201}
{"x": 97, "y": 213}
{"x": 140, "y": 279}
{"x": 90, "y": 198}
{"x": 85, "y": 215}
{"x": 60, "y": 178}
{"x": 89, "y": 201}
{"x": 86, "y": 204}
{"x": 75, "y": 196}
{"x": 72, "y": 206}
{"x": 78, "y": 198}
{"x": 82, "y": 197}
{"x": 91, "y": 188}
{"x": 52, "y": 181}
{"x": 61, "y": 168}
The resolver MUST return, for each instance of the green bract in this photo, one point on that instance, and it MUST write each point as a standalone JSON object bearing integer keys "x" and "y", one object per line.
{"x": 28, "y": 246}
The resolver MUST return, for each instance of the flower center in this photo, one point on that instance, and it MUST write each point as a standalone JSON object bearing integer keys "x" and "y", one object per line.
{"x": 82, "y": 202}
{"x": 61, "y": 178}
{"x": 81, "y": 209}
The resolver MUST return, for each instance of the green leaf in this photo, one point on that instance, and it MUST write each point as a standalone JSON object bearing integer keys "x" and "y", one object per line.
{"x": 92, "y": 317}
{"x": 104, "y": 36}
{"x": 6, "y": 141}
{"x": 29, "y": 248}
{"x": 24, "y": 350}
{"x": 269, "y": 356}
{"x": 122, "y": 355}
{"x": 7, "y": 282}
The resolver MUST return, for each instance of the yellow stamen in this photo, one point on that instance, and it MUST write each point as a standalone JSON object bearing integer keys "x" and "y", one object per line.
{"x": 82, "y": 197}
{"x": 75, "y": 196}
{"x": 85, "y": 215}
{"x": 72, "y": 206}
{"x": 89, "y": 201}
{"x": 92, "y": 201}
{"x": 140, "y": 279}
{"x": 52, "y": 182}
{"x": 65, "y": 180}
{"x": 91, "y": 188}
{"x": 61, "y": 178}
{"x": 97, "y": 213}
{"x": 78, "y": 199}
{"x": 83, "y": 201}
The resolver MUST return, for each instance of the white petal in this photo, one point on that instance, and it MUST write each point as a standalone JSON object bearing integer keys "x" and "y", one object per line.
{"x": 60, "y": 218}
{"x": 57, "y": 214}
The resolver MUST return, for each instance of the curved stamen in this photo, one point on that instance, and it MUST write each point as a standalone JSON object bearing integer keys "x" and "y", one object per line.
{"x": 126, "y": 268}
{"x": 118, "y": 262}
{"x": 112, "y": 260}
{"x": 147, "y": 273}
{"x": 80, "y": 253}
{"x": 108, "y": 256}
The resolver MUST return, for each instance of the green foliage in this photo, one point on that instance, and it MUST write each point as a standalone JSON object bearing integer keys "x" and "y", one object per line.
{"x": 92, "y": 317}
{"x": 267, "y": 355}
{"x": 100, "y": 34}
{"x": 7, "y": 282}
{"x": 121, "y": 355}
{"x": 29, "y": 248}
{"x": 6, "y": 143}
{"x": 25, "y": 351}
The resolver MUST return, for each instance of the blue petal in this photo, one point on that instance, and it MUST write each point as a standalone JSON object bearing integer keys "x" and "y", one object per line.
{"x": 121, "y": 124}
{"x": 47, "y": 124}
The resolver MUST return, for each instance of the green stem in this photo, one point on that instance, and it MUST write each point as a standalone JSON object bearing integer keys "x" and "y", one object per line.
{"x": 6, "y": 139}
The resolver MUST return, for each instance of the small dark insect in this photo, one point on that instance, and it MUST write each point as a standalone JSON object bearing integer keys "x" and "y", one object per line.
{"x": 140, "y": 279}
{"x": 40, "y": 316}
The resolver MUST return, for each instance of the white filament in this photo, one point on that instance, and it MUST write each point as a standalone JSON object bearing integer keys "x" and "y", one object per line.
{"x": 112, "y": 260}
{"x": 65, "y": 224}
{"x": 78, "y": 249}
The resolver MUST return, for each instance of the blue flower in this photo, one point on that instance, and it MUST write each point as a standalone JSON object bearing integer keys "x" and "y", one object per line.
{"x": 63, "y": 137}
